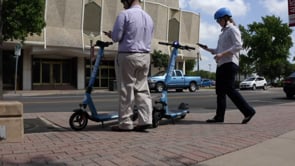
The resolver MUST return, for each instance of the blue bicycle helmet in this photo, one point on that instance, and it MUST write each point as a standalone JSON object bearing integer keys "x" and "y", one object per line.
{"x": 222, "y": 12}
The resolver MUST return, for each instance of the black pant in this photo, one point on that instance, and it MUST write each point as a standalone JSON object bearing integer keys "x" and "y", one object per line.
{"x": 225, "y": 85}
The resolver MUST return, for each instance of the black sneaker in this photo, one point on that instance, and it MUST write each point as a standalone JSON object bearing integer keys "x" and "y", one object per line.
{"x": 248, "y": 118}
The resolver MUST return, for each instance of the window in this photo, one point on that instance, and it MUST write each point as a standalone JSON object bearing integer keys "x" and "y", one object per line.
{"x": 178, "y": 73}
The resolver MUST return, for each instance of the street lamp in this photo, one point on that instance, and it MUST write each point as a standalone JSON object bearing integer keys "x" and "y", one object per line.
{"x": 209, "y": 67}
{"x": 91, "y": 37}
{"x": 198, "y": 61}
{"x": 17, "y": 53}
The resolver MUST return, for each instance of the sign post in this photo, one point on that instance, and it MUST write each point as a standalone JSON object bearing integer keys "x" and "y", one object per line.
{"x": 17, "y": 53}
{"x": 91, "y": 58}
{"x": 291, "y": 12}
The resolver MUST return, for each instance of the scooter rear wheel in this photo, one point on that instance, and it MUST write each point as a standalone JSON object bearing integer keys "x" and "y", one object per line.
{"x": 156, "y": 118}
{"x": 183, "y": 116}
{"x": 78, "y": 121}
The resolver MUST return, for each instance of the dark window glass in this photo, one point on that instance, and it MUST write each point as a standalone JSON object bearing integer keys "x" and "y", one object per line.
{"x": 66, "y": 73}
{"x": 45, "y": 73}
{"x": 36, "y": 71}
{"x": 56, "y": 73}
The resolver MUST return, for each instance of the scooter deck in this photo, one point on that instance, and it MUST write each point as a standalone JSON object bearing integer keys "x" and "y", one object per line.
{"x": 105, "y": 117}
{"x": 176, "y": 113}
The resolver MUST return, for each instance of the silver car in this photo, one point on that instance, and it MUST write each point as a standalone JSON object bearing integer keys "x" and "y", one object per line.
{"x": 254, "y": 83}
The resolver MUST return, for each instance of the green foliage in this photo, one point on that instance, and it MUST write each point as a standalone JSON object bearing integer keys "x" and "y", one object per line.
{"x": 203, "y": 74}
{"x": 160, "y": 59}
{"x": 267, "y": 44}
{"x": 18, "y": 19}
{"x": 289, "y": 68}
{"x": 246, "y": 66}
{"x": 22, "y": 18}
{"x": 189, "y": 65}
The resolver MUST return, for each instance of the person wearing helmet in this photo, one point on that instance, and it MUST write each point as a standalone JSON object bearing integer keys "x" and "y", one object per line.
{"x": 128, "y": 3}
{"x": 227, "y": 59}
{"x": 133, "y": 30}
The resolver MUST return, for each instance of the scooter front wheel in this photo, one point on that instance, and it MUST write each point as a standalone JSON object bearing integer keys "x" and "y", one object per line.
{"x": 78, "y": 121}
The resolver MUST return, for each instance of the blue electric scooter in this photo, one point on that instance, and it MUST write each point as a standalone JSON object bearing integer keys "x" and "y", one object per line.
{"x": 161, "y": 110}
{"x": 79, "y": 118}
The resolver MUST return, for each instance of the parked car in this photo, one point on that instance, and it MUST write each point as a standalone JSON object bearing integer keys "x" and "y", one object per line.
{"x": 254, "y": 83}
{"x": 207, "y": 83}
{"x": 289, "y": 85}
{"x": 178, "y": 81}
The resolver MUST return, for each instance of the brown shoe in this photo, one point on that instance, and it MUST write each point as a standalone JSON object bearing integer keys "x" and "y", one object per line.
{"x": 117, "y": 128}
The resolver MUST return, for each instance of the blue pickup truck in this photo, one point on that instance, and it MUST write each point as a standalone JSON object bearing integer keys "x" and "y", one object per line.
{"x": 178, "y": 81}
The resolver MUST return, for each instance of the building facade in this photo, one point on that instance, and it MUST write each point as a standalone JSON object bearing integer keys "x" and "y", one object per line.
{"x": 59, "y": 57}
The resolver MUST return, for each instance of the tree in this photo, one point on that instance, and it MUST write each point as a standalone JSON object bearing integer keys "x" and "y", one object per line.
{"x": 160, "y": 59}
{"x": 203, "y": 74}
{"x": 267, "y": 44}
{"x": 18, "y": 19}
{"x": 289, "y": 68}
{"x": 189, "y": 65}
{"x": 22, "y": 18}
{"x": 246, "y": 66}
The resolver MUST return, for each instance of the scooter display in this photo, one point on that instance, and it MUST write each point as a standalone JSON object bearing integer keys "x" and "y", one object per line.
{"x": 161, "y": 110}
{"x": 79, "y": 119}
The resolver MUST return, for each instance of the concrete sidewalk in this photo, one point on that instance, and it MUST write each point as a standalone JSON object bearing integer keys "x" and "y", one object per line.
{"x": 273, "y": 152}
{"x": 268, "y": 140}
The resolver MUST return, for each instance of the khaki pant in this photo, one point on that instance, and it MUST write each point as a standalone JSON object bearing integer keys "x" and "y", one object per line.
{"x": 131, "y": 72}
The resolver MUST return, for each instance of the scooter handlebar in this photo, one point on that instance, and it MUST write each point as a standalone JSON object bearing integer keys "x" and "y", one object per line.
{"x": 177, "y": 45}
{"x": 167, "y": 44}
{"x": 100, "y": 43}
{"x": 187, "y": 47}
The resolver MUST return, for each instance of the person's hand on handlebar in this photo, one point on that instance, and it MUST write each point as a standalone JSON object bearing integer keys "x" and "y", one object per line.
{"x": 202, "y": 46}
{"x": 108, "y": 34}
{"x": 205, "y": 47}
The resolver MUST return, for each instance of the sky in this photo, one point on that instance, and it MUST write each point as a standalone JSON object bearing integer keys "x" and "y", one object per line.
{"x": 244, "y": 12}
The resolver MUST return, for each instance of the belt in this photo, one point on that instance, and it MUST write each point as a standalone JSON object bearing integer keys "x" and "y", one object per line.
{"x": 130, "y": 52}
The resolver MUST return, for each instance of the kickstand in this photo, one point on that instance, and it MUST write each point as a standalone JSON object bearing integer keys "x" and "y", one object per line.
{"x": 173, "y": 120}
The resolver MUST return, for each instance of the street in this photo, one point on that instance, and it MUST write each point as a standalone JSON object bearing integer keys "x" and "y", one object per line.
{"x": 203, "y": 100}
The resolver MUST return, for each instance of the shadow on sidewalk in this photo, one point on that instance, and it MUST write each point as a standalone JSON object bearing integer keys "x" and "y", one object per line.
{"x": 34, "y": 161}
{"x": 192, "y": 122}
{"x": 36, "y": 125}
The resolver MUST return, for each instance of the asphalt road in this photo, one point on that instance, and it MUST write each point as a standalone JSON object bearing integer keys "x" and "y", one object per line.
{"x": 203, "y": 100}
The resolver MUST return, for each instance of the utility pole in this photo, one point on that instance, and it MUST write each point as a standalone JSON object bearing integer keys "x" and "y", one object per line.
{"x": 209, "y": 67}
{"x": 198, "y": 61}
{"x": 91, "y": 55}
{"x": 1, "y": 51}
